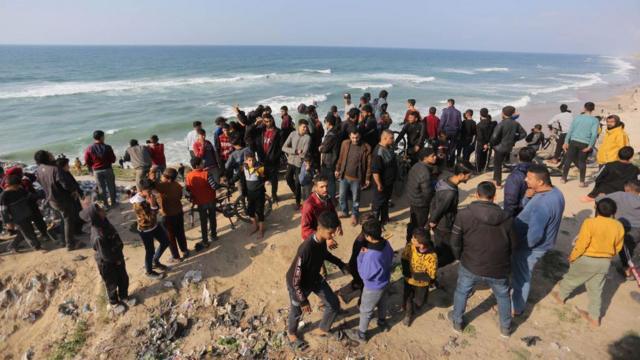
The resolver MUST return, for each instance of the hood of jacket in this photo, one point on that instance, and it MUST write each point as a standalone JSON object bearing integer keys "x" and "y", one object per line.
{"x": 522, "y": 168}
{"x": 488, "y": 213}
{"x": 445, "y": 185}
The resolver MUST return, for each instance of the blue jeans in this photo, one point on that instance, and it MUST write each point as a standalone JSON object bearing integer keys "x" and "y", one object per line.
{"x": 522, "y": 264}
{"x": 499, "y": 287}
{"x": 331, "y": 176}
{"x": 354, "y": 187}
{"x": 369, "y": 300}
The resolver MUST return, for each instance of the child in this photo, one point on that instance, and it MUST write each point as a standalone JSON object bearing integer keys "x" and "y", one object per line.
{"x": 374, "y": 266}
{"x": 358, "y": 244}
{"x": 252, "y": 180}
{"x": 63, "y": 164}
{"x": 109, "y": 256}
{"x": 306, "y": 176}
{"x": 171, "y": 210}
{"x": 599, "y": 240}
{"x": 223, "y": 143}
{"x": 535, "y": 139}
{"x": 16, "y": 209}
{"x": 419, "y": 266}
{"x": 145, "y": 207}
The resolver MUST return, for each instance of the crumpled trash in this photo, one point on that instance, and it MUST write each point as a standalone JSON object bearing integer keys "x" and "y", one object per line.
{"x": 192, "y": 277}
{"x": 68, "y": 308}
{"x": 206, "y": 297}
{"x": 168, "y": 284}
{"x": 531, "y": 340}
{"x": 28, "y": 355}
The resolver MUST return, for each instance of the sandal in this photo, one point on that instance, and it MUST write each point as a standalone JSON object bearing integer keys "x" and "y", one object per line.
{"x": 298, "y": 345}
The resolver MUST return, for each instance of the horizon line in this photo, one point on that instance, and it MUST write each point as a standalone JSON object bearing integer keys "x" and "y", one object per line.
{"x": 303, "y": 46}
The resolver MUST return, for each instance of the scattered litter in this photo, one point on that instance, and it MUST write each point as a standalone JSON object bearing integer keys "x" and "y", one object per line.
{"x": 531, "y": 340}
{"x": 79, "y": 258}
{"x": 192, "y": 277}
{"x": 206, "y": 297}
{"x": 168, "y": 284}
{"x": 68, "y": 308}
{"x": 118, "y": 309}
{"x": 86, "y": 308}
{"x": 28, "y": 355}
{"x": 131, "y": 301}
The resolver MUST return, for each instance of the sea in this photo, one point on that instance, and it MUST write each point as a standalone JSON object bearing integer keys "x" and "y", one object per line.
{"x": 54, "y": 97}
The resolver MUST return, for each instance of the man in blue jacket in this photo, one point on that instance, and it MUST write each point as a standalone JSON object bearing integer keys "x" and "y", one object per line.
{"x": 579, "y": 142}
{"x": 450, "y": 123}
{"x": 515, "y": 186}
{"x": 537, "y": 228}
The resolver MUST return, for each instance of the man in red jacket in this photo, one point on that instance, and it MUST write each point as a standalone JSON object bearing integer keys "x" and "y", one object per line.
{"x": 317, "y": 203}
{"x": 98, "y": 157}
{"x": 158, "y": 160}
{"x": 432, "y": 123}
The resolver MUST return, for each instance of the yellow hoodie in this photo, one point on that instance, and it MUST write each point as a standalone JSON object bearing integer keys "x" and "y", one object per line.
{"x": 600, "y": 237}
{"x": 612, "y": 142}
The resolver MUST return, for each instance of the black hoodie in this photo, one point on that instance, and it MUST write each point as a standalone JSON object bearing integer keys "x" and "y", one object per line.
{"x": 483, "y": 239}
{"x": 105, "y": 238}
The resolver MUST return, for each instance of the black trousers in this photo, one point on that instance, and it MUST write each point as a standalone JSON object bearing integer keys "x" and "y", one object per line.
{"x": 481, "y": 158}
{"x": 443, "y": 247}
{"x": 380, "y": 204}
{"x": 293, "y": 180}
{"x": 558, "y": 152}
{"x": 414, "y": 297}
{"x": 576, "y": 155}
{"x": 418, "y": 219}
{"x": 207, "y": 213}
{"x": 255, "y": 204}
{"x": 499, "y": 158}
{"x": 69, "y": 220}
{"x": 452, "y": 146}
{"x": 115, "y": 280}
{"x": 27, "y": 234}
{"x": 271, "y": 172}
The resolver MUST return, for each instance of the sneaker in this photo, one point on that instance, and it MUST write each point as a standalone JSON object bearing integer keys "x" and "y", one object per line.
{"x": 174, "y": 261}
{"x": 160, "y": 266}
{"x": 186, "y": 254}
{"x": 406, "y": 321}
{"x": 505, "y": 332}
{"x": 356, "y": 335}
{"x": 383, "y": 325}
{"x": 154, "y": 275}
{"x": 201, "y": 245}
{"x": 457, "y": 327}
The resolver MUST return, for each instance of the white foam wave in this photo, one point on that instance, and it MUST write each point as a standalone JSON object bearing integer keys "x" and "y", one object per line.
{"x": 75, "y": 88}
{"x": 111, "y": 131}
{"x": 458, "y": 71}
{"x": 366, "y": 86}
{"x": 293, "y": 101}
{"x": 621, "y": 67}
{"x": 492, "y": 69}
{"x": 400, "y": 77}
{"x": 322, "y": 71}
{"x": 587, "y": 80}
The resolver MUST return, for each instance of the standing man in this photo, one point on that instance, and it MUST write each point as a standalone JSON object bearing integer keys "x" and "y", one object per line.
{"x": 350, "y": 124}
{"x": 483, "y": 240}
{"x": 411, "y": 107}
{"x": 561, "y": 123}
{"x": 329, "y": 150}
{"x": 348, "y": 105}
{"x": 368, "y": 126}
{"x": 537, "y": 228}
{"x": 432, "y": 123}
{"x": 317, "y": 203}
{"x": 99, "y": 158}
{"x": 503, "y": 139}
{"x": 158, "y": 160}
{"x": 354, "y": 171}
{"x": 192, "y": 137}
{"x": 296, "y": 147}
{"x": 420, "y": 190}
{"x": 614, "y": 139}
{"x": 59, "y": 193}
{"x": 450, "y": 123}
{"x": 303, "y": 278}
{"x": 201, "y": 187}
{"x": 579, "y": 142}
{"x": 444, "y": 209}
{"x": 265, "y": 140}
{"x": 384, "y": 168}
{"x": 140, "y": 159}
{"x": 415, "y": 135}
{"x": 205, "y": 150}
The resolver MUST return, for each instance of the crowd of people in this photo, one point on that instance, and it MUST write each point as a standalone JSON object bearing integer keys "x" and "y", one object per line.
{"x": 328, "y": 164}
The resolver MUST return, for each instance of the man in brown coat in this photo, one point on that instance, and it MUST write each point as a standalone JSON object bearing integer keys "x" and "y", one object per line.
{"x": 353, "y": 170}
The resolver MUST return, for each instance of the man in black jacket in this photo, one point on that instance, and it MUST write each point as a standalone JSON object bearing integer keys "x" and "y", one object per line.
{"x": 415, "y": 132}
{"x": 504, "y": 137}
{"x": 420, "y": 189}
{"x": 368, "y": 126}
{"x": 349, "y": 124}
{"x": 265, "y": 140}
{"x": 384, "y": 169}
{"x": 483, "y": 240}
{"x": 59, "y": 193}
{"x": 444, "y": 208}
{"x": 304, "y": 277}
{"x": 329, "y": 150}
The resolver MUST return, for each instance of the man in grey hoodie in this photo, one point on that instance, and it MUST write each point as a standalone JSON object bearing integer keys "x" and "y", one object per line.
{"x": 140, "y": 159}
{"x": 296, "y": 147}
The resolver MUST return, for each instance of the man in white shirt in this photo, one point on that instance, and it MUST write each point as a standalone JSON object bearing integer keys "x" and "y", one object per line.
{"x": 348, "y": 105}
{"x": 192, "y": 137}
{"x": 561, "y": 123}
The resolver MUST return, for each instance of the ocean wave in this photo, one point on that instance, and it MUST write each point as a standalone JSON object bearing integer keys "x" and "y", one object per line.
{"x": 492, "y": 69}
{"x": 400, "y": 77}
{"x": 458, "y": 71}
{"x": 621, "y": 67}
{"x": 111, "y": 131}
{"x": 366, "y": 86}
{"x": 75, "y": 88}
{"x": 321, "y": 71}
{"x": 292, "y": 101}
{"x": 588, "y": 80}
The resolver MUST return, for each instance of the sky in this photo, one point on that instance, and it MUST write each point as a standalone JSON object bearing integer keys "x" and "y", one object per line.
{"x": 559, "y": 26}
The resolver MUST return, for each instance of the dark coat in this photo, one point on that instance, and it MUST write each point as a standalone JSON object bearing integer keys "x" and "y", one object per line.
{"x": 254, "y": 138}
{"x": 506, "y": 135}
{"x": 420, "y": 190}
{"x": 444, "y": 206}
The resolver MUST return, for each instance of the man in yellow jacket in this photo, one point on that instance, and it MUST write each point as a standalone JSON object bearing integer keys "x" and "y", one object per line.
{"x": 614, "y": 139}
{"x": 599, "y": 240}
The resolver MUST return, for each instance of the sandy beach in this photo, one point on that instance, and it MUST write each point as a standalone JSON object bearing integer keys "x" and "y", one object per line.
{"x": 239, "y": 266}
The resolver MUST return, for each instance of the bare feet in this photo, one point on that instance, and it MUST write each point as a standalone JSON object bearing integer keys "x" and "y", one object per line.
{"x": 556, "y": 296}
{"x": 583, "y": 184}
{"x": 587, "y": 199}
{"x": 585, "y": 315}
{"x": 564, "y": 181}
{"x": 342, "y": 215}
{"x": 354, "y": 220}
